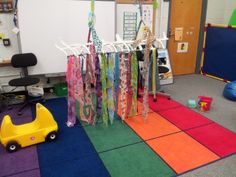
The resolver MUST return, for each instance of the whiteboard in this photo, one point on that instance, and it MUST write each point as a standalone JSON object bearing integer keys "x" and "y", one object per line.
{"x": 43, "y": 23}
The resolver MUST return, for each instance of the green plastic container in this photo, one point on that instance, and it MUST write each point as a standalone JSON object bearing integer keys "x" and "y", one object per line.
{"x": 60, "y": 89}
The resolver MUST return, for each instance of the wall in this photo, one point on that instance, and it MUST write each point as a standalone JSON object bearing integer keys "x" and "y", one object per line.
{"x": 229, "y": 8}
{"x": 7, "y": 73}
{"x": 6, "y": 27}
{"x": 219, "y": 12}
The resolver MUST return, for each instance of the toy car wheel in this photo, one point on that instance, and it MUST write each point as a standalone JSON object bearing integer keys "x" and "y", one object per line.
{"x": 51, "y": 136}
{"x": 12, "y": 146}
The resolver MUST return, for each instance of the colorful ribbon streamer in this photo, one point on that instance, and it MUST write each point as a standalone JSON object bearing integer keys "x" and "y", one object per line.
{"x": 123, "y": 87}
{"x": 129, "y": 86}
{"x": 154, "y": 73}
{"x": 146, "y": 64}
{"x": 117, "y": 80}
{"x": 104, "y": 88}
{"x": 110, "y": 86}
{"x": 98, "y": 89}
{"x": 134, "y": 83}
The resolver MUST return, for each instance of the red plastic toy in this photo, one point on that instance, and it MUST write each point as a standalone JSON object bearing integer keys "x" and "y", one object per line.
{"x": 205, "y": 103}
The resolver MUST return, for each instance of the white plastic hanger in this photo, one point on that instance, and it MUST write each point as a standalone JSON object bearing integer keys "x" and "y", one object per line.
{"x": 62, "y": 49}
{"x": 68, "y": 47}
{"x": 120, "y": 41}
{"x": 161, "y": 40}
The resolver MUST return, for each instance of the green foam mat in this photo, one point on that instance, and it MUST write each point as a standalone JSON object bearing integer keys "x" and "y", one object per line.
{"x": 136, "y": 160}
{"x": 112, "y": 136}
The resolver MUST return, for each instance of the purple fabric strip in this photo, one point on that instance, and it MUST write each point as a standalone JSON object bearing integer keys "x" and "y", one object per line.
{"x": 98, "y": 89}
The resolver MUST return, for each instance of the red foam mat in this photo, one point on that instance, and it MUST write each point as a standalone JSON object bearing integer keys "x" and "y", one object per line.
{"x": 215, "y": 137}
{"x": 161, "y": 104}
{"x": 184, "y": 118}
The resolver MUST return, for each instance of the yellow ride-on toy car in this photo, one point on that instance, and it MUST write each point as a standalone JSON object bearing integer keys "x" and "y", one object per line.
{"x": 43, "y": 128}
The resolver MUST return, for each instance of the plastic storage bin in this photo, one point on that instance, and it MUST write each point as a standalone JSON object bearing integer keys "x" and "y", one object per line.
{"x": 60, "y": 89}
{"x": 207, "y": 102}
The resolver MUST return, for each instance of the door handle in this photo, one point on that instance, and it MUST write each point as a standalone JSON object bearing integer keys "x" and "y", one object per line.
{"x": 170, "y": 33}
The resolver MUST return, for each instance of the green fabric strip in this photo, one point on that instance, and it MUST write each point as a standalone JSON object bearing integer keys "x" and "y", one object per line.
{"x": 104, "y": 88}
{"x": 134, "y": 83}
{"x": 154, "y": 73}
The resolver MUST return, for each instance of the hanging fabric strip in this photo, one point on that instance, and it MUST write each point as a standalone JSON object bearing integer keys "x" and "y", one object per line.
{"x": 117, "y": 80}
{"x": 134, "y": 83}
{"x": 149, "y": 41}
{"x": 71, "y": 116}
{"x": 98, "y": 90}
{"x": 154, "y": 73}
{"x": 110, "y": 86}
{"x": 78, "y": 86}
{"x": 129, "y": 86}
{"x": 123, "y": 87}
{"x": 104, "y": 88}
{"x": 88, "y": 93}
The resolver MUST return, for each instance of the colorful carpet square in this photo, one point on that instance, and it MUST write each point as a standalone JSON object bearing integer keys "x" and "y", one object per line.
{"x": 155, "y": 126}
{"x": 216, "y": 138}
{"x": 182, "y": 152}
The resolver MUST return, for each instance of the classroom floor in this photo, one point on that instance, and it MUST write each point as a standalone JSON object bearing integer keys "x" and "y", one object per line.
{"x": 184, "y": 88}
{"x": 223, "y": 112}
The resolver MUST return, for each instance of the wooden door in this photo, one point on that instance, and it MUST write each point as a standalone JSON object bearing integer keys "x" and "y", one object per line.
{"x": 184, "y": 29}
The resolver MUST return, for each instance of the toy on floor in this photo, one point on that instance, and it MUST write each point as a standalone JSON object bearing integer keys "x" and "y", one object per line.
{"x": 43, "y": 128}
{"x": 230, "y": 91}
{"x": 192, "y": 104}
{"x": 204, "y": 103}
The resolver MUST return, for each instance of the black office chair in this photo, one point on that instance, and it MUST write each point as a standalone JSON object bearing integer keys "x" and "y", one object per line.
{"x": 23, "y": 61}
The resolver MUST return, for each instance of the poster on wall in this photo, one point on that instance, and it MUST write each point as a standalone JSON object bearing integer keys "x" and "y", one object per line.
{"x": 164, "y": 63}
{"x": 182, "y": 47}
{"x": 6, "y": 6}
{"x": 130, "y": 25}
{"x": 147, "y": 11}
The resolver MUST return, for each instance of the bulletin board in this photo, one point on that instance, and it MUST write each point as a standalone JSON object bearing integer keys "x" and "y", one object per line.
{"x": 43, "y": 23}
{"x": 6, "y": 6}
{"x": 219, "y": 56}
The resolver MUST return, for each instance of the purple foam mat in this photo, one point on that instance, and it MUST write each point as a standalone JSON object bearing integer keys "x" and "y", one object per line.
{"x": 13, "y": 113}
{"x": 31, "y": 173}
{"x": 23, "y": 160}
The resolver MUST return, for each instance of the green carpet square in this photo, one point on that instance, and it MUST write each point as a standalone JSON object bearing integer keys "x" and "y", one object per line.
{"x": 137, "y": 160}
{"x": 112, "y": 136}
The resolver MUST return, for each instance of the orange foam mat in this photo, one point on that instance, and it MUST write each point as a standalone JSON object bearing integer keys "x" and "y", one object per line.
{"x": 154, "y": 126}
{"x": 182, "y": 152}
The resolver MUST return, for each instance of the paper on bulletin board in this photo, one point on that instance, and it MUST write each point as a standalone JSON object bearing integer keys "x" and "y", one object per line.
{"x": 182, "y": 47}
{"x": 147, "y": 12}
{"x": 2, "y": 36}
{"x": 179, "y": 33}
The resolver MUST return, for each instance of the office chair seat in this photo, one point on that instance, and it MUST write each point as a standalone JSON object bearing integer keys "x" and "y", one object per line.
{"x": 24, "y": 61}
{"x": 25, "y": 81}
{"x": 163, "y": 69}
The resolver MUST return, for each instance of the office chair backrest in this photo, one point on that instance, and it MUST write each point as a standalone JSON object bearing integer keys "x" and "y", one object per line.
{"x": 23, "y": 60}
